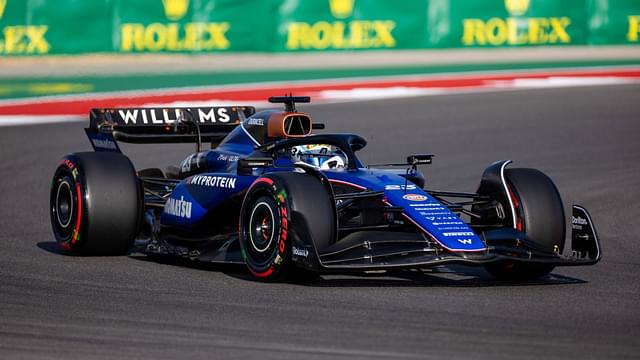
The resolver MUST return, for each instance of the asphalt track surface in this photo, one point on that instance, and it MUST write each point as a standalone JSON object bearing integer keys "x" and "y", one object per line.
{"x": 587, "y": 139}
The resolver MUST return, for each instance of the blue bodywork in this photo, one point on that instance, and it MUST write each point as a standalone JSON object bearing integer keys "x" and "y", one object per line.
{"x": 204, "y": 191}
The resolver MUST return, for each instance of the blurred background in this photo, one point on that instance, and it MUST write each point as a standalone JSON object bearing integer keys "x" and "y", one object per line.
{"x": 150, "y": 47}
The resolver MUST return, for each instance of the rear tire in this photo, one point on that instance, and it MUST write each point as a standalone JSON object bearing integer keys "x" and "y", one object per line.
{"x": 540, "y": 214}
{"x": 95, "y": 203}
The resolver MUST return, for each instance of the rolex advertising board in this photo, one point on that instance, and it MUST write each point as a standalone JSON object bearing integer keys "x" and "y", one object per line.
{"x": 48, "y": 27}
{"x": 192, "y": 25}
{"x": 519, "y": 22}
{"x": 349, "y": 24}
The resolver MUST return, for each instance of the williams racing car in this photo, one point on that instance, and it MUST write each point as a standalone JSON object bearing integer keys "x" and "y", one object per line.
{"x": 273, "y": 195}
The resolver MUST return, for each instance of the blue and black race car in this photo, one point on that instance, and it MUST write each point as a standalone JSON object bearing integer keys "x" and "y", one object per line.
{"x": 284, "y": 201}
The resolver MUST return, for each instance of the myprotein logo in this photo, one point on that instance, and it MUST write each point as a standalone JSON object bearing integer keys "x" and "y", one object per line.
{"x": 339, "y": 34}
{"x": 517, "y": 7}
{"x": 175, "y": 10}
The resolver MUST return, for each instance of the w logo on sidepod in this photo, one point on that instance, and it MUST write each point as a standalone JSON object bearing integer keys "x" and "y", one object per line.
{"x": 174, "y": 10}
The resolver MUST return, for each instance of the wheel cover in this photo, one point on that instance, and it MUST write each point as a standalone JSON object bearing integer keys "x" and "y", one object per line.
{"x": 261, "y": 226}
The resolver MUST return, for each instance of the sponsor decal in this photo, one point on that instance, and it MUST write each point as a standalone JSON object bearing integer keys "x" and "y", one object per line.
{"x": 516, "y": 29}
{"x": 414, "y": 197}
{"x": 69, "y": 164}
{"x": 178, "y": 207}
{"x": 174, "y": 36}
{"x": 459, "y": 233}
{"x": 449, "y": 223}
{"x": 300, "y": 252}
{"x": 578, "y": 220}
{"x": 465, "y": 241}
{"x": 223, "y": 182}
{"x": 22, "y": 39}
{"x": 339, "y": 34}
{"x": 439, "y": 217}
{"x": 170, "y": 116}
{"x": 105, "y": 144}
{"x": 430, "y": 208}
{"x": 192, "y": 162}
{"x": 443, "y": 228}
{"x": 229, "y": 158}
{"x": 255, "y": 121}
{"x": 577, "y": 223}
{"x": 400, "y": 187}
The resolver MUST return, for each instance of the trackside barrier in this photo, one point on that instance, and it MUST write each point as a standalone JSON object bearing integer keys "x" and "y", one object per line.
{"x": 41, "y": 27}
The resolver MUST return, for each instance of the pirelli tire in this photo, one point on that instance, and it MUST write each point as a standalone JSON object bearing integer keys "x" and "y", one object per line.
{"x": 277, "y": 208}
{"x": 95, "y": 203}
{"x": 540, "y": 214}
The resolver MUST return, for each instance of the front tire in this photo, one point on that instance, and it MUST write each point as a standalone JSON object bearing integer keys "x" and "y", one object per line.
{"x": 539, "y": 214}
{"x": 277, "y": 209}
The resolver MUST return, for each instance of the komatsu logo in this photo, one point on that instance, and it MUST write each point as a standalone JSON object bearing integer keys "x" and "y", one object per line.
{"x": 179, "y": 208}
{"x": 516, "y": 29}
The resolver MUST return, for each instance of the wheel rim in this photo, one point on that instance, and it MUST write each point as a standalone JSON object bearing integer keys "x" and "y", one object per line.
{"x": 261, "y": 226}
{"x": 64, "y": 204}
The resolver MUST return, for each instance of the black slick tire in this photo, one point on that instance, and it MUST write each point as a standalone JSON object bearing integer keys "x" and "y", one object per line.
{"x": 277, "y": 208}
{"x": 540, "y": 214}
{"x": 95, "y": 203}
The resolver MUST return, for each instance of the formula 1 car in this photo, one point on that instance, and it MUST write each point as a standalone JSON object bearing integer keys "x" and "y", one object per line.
{"x": 283, "y": 201}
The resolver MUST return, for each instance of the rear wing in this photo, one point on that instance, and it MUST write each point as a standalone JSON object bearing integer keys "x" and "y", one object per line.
{"x": 163, "y": 125}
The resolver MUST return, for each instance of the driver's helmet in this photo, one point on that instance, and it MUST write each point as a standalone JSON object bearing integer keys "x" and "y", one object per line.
{"x": 320, "y": 156}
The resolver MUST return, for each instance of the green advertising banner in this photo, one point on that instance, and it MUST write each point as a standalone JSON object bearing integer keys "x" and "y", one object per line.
{"x": 481, "y": 23}
{"x": 350, "y": 24}
{"x": 52, "y": 27}
{"x": 193, "y": 26}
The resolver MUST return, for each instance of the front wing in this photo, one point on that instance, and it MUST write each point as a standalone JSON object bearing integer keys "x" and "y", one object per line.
{"x": 378, "y": 250}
